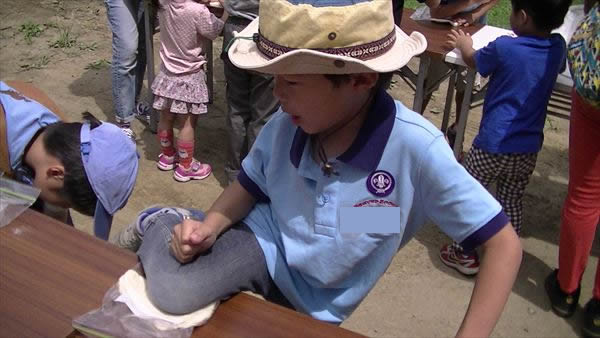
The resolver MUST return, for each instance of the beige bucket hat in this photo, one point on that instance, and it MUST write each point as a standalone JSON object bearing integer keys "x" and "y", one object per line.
{"x": 324, "y": 37}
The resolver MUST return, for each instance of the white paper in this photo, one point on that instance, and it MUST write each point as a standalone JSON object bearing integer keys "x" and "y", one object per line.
{"x": 488, "y": 34}
{"x": 481, "y": 39}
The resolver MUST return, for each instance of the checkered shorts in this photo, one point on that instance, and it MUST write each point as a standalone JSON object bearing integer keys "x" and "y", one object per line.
{"x": 511, "y": 172}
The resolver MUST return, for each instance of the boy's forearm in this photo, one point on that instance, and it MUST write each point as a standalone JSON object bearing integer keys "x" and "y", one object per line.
{"x": 480, "y": 11}
{"x": 445, "y": 11}
{"x": 497, "y": 274}
{"x": 231, "y": 206}
{"x": 468, "y": 56}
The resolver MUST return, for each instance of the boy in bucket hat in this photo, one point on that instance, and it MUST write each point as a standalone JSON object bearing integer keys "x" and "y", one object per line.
{"x": 299, "y": 225}
{"x": 89, "y": 166}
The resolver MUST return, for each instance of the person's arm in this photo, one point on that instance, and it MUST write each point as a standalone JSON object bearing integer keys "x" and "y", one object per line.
{"x": 464, "y": 43}
{"x": 502, "y": 255}
{"x": 466, "y": 19}
{"x": 440, "y": 11}
{"x": 193, "y": 237}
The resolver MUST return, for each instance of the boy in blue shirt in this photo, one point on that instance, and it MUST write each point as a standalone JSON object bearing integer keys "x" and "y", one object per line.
{"x": 89, "y": 166}
{"x": 522, "y": 71}
{"x": 339, "y": 179}
{"x": 463, "y": 13}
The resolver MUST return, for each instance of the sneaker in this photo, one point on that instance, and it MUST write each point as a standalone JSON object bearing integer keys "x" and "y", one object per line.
{"x": 465, "y": 264}
{"x": 129, "y": 133}
{"x": 197, "y": 171}
{"x": 563, "y": 304}
{"x": 142, "y": 112}
{"x": 166, "y": 162}
{"x": 591, "y": 319}
{"x": 129, "y": 238}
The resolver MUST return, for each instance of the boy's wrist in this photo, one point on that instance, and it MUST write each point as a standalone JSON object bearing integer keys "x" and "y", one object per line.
{"x": 216, "y": 221}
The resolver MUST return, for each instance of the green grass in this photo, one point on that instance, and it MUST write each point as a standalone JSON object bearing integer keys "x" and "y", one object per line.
{"x": 497, "y": 16}
{"x": 30, "y": 30}
{"x": 66, "y": 39}
{"x": 40, "y": 63}
{"x": 100, "y": 64}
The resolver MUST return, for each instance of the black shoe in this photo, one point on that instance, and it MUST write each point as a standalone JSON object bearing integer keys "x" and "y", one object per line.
{"x": 591, "y": 319}
{"x": 563, "y": 304}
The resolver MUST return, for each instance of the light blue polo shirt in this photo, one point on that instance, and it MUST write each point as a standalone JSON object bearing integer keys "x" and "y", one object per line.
{"x": 398, "y": 159}
{"x": 24, "y": 117}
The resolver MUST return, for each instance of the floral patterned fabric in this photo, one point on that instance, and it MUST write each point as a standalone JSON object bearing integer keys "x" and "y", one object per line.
{"x": 584, "y": 57}
{"x": 180, "y": 93}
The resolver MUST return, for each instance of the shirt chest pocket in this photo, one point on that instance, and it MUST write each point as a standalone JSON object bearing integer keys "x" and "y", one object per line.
{"x": 331, "y": 219}
{"x": 326, "y": 215}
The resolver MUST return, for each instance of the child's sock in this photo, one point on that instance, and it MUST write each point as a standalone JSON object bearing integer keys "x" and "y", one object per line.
{"x": 186, "y": 153}
{"x": 165, "y": 137}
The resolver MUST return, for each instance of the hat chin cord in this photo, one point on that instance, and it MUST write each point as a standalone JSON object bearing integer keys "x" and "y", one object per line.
{"x": 319, "y": 139}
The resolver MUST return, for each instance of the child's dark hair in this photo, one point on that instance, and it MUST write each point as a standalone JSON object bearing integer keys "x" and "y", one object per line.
{"x": 546, "y": 14}
{"x": 62, "y": 140}
{"x": 338, "y": 79}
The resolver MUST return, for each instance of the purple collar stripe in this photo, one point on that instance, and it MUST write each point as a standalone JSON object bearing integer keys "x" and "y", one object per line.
{"x": 362, "y": 52}
{"x": 367, "y": 149}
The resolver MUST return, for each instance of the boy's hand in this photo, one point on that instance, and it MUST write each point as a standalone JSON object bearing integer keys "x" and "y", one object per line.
{"x": 459, "y": 39}
{"x": 190, "y": 238}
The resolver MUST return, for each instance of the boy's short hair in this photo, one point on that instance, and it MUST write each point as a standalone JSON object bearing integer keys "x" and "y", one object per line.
{"x": 61, "y": 140}
{"x": 546, "y": 14}
{"x": 101, "y": 165}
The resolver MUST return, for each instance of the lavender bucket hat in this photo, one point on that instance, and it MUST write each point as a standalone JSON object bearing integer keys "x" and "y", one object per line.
{"x": 110, "y": 160}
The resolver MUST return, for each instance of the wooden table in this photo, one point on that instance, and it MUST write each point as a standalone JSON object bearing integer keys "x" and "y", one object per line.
{"x": 51, "y": 273}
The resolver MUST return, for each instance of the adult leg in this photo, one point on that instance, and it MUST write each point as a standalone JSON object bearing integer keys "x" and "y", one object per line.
{"x": 516, "y": 172}
{"x": 437, "y": 70}
{"x": 127, "y": 73}
{"x": 581, "y": 210}
{"x": 235, "y": 263}
{"x": 140, "y": 67}
{"x": 262, "y": 105}
{"x": 237, "y": 93}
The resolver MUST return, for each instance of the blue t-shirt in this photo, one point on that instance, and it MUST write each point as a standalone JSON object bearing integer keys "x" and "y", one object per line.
{"x": 522, "y": 73}
{"x": 398, "y": 160}
{"x": 24, "y": 118}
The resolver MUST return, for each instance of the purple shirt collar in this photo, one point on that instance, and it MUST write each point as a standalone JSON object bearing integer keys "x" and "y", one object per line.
{"x": 367, "y": 149}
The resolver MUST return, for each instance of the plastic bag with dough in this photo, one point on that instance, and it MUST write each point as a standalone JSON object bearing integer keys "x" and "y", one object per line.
{"x": 132, "y": 287}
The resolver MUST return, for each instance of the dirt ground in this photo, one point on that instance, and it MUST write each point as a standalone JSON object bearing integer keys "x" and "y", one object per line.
{"x": 417, "y": 296}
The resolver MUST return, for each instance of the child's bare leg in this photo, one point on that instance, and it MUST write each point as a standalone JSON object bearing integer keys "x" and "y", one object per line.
{"x": 185, "y": 139}
{"x": 166, "y": 160}
{"x": 188, "y": 168}
{"x": 188, "y": 127}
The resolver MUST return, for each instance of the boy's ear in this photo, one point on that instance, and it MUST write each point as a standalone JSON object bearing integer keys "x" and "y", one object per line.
{"x": 522, "y": 17}
{"x": 365, "y": 80}
{"x": 56, "y": 172}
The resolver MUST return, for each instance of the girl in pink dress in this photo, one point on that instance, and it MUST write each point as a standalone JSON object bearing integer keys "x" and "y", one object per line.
{"x": 180, "y": 91}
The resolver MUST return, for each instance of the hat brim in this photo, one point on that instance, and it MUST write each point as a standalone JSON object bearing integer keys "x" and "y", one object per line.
{"x": 102, "y": 222}
{"x": 244, "y": 54}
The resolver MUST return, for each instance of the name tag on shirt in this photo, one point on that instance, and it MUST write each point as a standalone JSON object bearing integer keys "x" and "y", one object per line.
{"x": 370, "y": 220}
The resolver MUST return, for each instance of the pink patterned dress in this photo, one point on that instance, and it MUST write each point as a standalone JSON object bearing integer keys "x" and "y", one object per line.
{"x": 180, "y": 86}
